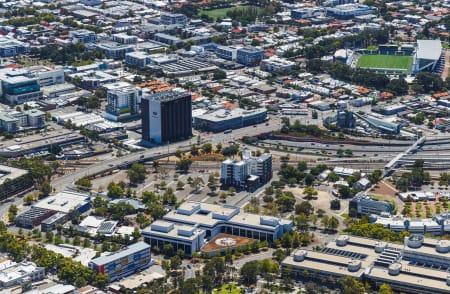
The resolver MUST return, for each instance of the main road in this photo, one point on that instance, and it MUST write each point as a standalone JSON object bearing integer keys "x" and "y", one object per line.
{"x": 153, "y": 153}
{"x": 61, "y": 183}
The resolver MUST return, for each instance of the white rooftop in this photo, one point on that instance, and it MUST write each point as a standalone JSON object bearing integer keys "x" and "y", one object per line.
{"x": 429, "y": 49}
{"x": 63, "y": 201}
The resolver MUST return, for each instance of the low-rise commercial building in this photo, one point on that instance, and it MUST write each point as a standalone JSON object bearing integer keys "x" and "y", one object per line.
{"x": 138, "y": 59}
{"x": 115, "y": 51}
{"x": 363, "y": 204}
{"x": 168, "y": 39}
{"x": 123, "y": 263}
{"x": 46, "y": 76}
{"x": 13, "y": 180}
{"x": 33, "y": 217}
{"x": 249, "y": 56}
{"x": 49, "y": 224}
{"x": 173, "y": 19}
{"x": 436, "y": 225}
{"x": 227, "y": 52}
{"x": 124, "y": 38}
{"x": 18, "y": 274}
{"x": 39, "y": 143}
{"x": 13, "y": 121}
{"x": 18, "y": 87}
{"x": 83, "y": 36}
{"x": 362, "y": 184}
{"x": 11, "y": 47}
{"x": 224, "y": 119}
{"x": 419, "y": 266}
{"x": 54, "y": 91}
{"x": 215, "y": 219}
{"x": 65, "y": 203}
{"x": 277, "y": 64}
{"x": 188, "y": 238}
{"x": 347, "y": 11}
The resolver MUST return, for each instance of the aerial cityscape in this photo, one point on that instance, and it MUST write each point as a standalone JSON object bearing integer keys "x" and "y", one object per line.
{"x": 224, "y": 146}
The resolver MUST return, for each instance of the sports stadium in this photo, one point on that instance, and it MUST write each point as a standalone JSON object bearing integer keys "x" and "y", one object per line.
{"x": 405, "y": 59}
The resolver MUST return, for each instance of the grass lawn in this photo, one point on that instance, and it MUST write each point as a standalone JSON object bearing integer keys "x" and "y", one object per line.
{"x": 222, "y": 12}
{"x": 383, "y": 198}
{"x": 385, "y": 61}
{"x": 225, "y": 290}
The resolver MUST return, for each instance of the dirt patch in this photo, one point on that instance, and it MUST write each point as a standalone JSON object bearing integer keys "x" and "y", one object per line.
{"x": 208, "y": 157}
{"x": 321, "y": 201}
{"x": 387, "y": 190}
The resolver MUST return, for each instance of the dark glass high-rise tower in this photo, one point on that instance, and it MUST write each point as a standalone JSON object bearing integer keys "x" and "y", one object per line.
{"x": 166, "y": 117}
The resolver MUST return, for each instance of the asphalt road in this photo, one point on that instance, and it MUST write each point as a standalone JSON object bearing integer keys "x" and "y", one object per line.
{"x": 62, "y": 182}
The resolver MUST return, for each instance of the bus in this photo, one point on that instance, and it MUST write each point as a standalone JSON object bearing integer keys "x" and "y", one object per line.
{"x": 228, "y": 131}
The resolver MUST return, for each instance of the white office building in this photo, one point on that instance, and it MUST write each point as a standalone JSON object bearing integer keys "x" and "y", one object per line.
{"x": 437, "y": 225}
{"x": 125, "y": 39}
{"x": 419, "y": 266}
{"x": 188, "y": 238}
{"x": 123, "y": 102}
{"x": 215, "y": 219}
{"x": 237, "y": 173}
{"x": 234, "y": 172}
{"x": 14, "y": 274}
{"x": 276, "y": 64}
{"x": 13, "y": 121}
{"x": 138, "y": 59}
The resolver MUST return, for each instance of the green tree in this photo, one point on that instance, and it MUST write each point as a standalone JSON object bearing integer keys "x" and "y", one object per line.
{"x": 207, "y": 148}
{"x": 335, "y": 204}
{"x": 286, "y": 202}
{"x": 196, "y": 183}
{"x": 175, "y": 262}
{"x": 345, "y": 192}
{"x": 385, "y": 289}
{"x": 115, "y": 191}
{"x": 180, "y": 185}
{"x": 397, "y": 87}
{"x": 168, "y": 249}
{"x": 249, "y": 272}
{"x": 28, "y": 199}
{"x": 428, "y": 82}
{"x": 84, "y": 182}
{"x": 309, "y": 179}
{"x": 45, "y": 188}
{"x": 302, "y": 166}
{"x": 137, "y": 173}
{"x": 215, "y": 269}
{"x": 309, "y": 192}
{"x": 212, "y": 183}
{"x": 219, "y": 74}
{"x": 184, "y": 164}
{"x": 304, "y": 207}
{"x": 375, "y": 176}
{"x": 351, "y": 285}
{"x": 49, "y": 237}
{"x": 12, "y": 212}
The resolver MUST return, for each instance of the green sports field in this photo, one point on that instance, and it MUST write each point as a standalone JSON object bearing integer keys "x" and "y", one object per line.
{"x": 385, "y": 61}
{"x": 221, "y": 12}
